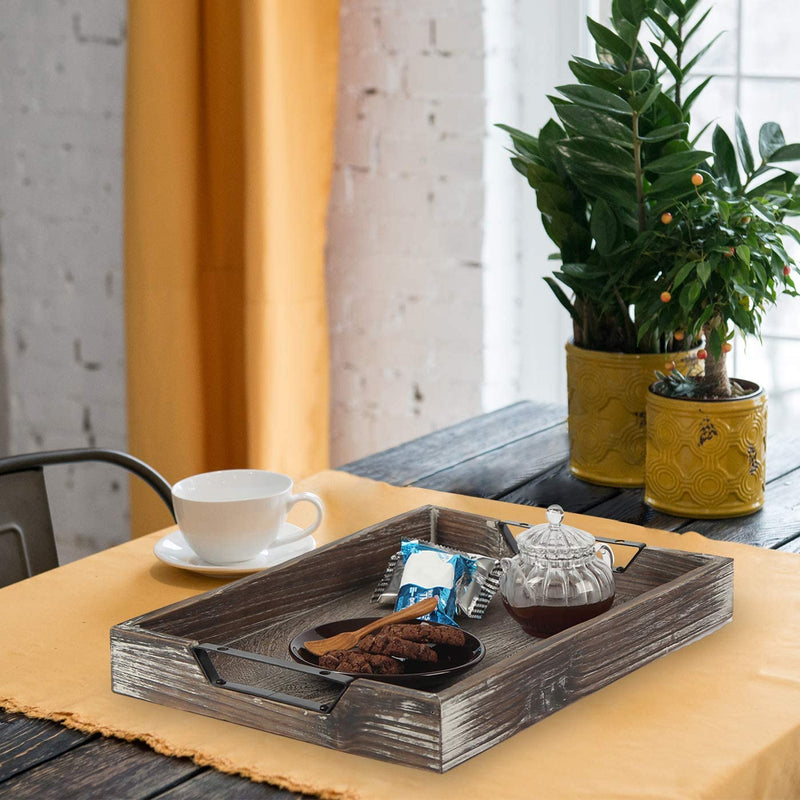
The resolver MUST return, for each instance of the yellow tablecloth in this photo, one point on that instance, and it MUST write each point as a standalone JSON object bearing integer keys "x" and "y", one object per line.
{"x": 717, "y": 719}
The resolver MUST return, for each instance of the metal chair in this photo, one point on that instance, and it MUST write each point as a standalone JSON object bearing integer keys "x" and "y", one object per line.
{"x": 27, "y": 544}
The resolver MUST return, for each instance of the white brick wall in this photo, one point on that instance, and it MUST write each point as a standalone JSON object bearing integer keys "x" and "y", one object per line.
{"x": 61, "y": 100}
{"x": 405, "y": 250}
{"x": 404, "y": 266}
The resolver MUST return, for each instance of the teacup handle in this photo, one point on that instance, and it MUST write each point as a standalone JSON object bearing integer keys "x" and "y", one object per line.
{"x": 290, "y": 503}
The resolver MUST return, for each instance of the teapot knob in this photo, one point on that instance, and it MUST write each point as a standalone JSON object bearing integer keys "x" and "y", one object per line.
{"x": 555, "y": 515}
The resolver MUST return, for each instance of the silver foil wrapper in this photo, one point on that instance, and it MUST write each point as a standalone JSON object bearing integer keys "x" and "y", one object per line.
{"x": 472, "y": 595}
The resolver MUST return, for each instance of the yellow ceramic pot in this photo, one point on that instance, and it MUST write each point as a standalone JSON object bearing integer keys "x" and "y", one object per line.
{"x": 706, "y": 458}
{"x": 607, "y": 396}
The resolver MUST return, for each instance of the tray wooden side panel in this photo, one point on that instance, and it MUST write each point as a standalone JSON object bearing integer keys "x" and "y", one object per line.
{"x": 484, "y": 709}
{"x": 393, "y": 723}
{"x": 243, "y": 606}
{"x": 469, "y": 532}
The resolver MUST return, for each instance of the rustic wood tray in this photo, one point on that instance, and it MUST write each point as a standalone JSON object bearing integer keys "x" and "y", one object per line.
{"x": 225, "y": 653}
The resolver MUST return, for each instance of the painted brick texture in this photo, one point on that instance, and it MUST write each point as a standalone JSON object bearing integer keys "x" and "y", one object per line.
{"x": 61, "y": 99}
{"x": 404, "y": 265}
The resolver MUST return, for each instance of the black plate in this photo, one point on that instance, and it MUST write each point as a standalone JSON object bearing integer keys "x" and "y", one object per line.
{"x": 451, "y": 660}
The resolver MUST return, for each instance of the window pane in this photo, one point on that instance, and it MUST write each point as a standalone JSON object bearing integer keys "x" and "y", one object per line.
{"x": 715, "y": 105}
{"x": 769, "y": 37}
{"x": 771, "y": 101}
{"x": 772, "y": 365}
{"x": 721, "y": 58}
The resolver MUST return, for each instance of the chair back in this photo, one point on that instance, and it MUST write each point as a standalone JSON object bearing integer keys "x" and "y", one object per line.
{"x": 27, "y": 544}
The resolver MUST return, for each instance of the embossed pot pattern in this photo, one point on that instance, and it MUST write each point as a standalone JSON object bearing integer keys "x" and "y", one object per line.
{"x": 607, "y": 395}
{"x": 706, "y": 458}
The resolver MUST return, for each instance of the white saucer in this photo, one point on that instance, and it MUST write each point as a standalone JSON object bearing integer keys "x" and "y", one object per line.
{"x": 174, "y": 550}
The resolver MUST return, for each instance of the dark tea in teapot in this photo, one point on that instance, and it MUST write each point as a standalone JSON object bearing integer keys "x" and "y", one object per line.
{"x": 556, "y": 580}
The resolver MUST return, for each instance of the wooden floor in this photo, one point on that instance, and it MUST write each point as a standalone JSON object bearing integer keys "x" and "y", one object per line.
{"x": 517, "y": 454}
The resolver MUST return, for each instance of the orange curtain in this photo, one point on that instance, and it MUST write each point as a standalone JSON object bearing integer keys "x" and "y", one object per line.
{"x": 230, "y": 112}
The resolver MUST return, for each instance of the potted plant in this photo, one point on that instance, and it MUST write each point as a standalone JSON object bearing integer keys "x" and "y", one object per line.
{"x": 618, "y": 156}
{"x": 723, "y": 263}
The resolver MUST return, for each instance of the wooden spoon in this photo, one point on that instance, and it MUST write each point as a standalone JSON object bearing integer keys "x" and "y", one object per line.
{"x": 344, "y": 641}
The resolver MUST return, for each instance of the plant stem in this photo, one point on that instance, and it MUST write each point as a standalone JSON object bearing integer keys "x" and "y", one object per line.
{"x": 639, "y": 174}
{"x": 637, "y": 148}
{"x": 715, "y": 382}
{"x": 629, "y": 330}
{"x": 678, "y": 58}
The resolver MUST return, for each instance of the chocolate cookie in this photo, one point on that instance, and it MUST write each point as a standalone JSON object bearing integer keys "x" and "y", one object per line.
{"x": 360, "y": 662}
{"x": 395, "y": 646}
{"x": 433, "y": 634}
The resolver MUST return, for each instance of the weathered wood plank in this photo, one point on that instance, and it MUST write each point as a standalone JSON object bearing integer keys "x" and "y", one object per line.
{"x": 783, "y": 455}
{"x": 482, "y": 711}
{"x": 26, "y": 742}
{"x": 246, "y": 605}
{"x": 382, "y": 720}
{"x": 413, "y": 461}
{"x": 792, "y": 546}
{"x": 100, "y": 768}
{"x": 501, "y": 470}
{"x": 217, "y": 784}
{"x": 629, "y": 506}
{"x": 558, "y": 485}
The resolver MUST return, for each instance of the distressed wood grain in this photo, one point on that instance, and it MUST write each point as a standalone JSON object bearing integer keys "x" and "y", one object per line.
{"x": 559, "y": 485}
{"x": 213, "y": 784}
{"x": 102, "y": 768}
{"x": 26, "y": 742}
{"x": 664, "y": 600}
{"x": 415, "y": 460}
{"x": 499, "y": 471}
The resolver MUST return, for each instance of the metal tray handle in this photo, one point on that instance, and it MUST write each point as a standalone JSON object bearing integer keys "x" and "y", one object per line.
{"x": 201, "y": 653}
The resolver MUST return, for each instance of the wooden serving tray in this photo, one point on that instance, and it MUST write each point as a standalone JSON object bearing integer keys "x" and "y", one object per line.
{"x": 225, "y": 653}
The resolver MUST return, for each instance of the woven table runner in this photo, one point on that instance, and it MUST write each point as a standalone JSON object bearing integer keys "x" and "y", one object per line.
{"x": 717, "y": 719}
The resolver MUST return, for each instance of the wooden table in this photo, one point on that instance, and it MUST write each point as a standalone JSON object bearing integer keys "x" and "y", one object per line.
{"x": 517, "y": 454}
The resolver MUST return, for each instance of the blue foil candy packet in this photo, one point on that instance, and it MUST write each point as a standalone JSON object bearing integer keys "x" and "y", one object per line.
{"x": 429, "y": 572}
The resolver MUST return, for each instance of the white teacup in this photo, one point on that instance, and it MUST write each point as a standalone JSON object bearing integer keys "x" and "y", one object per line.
{"x": 233, "y": 515}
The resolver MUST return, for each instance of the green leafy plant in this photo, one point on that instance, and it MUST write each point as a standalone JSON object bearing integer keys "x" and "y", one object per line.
{"x": 620, "y": 160}
{"x": 618, "y": 153}
{"x": 722, "y": 252}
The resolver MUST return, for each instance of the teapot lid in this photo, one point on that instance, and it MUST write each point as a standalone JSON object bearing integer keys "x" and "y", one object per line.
{"x": 554, "y": 541}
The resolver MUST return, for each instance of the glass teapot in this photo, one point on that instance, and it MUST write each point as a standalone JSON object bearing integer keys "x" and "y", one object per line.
{"x": 556, "y": 580}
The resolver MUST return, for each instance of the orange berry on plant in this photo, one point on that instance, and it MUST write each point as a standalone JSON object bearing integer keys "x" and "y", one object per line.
{"x": 666, "y": 218}
{"x": 697, "y": 179}
{"x": 678, "y": 336}
{"x": 787, "y": 270}
{"x": 727, "y": 347}
{"x": 730, "y": 252}
{"x": 702, "y": 353}
{"x": 665, "y": 297}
